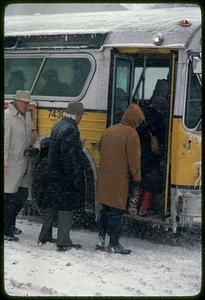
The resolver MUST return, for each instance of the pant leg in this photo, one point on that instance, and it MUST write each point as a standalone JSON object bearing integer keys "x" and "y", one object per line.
{"x": 146, "y": 203}
{"x": 9, "y": 212}
{"x": 114, "y": 216}
{"x": 65, "y": 219}
{"x": 102, "y": 224}
{"x": 46, "y": 229}
{"x": 21, "y": 197}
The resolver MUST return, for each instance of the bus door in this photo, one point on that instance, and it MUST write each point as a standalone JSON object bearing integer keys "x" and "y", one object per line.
{"x": 154, "y": 76}
{"x": 138, "y": 78}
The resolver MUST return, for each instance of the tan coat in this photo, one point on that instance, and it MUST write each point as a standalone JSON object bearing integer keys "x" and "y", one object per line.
{"x": 119, "y": 156}
{"x": 17, "y": 138}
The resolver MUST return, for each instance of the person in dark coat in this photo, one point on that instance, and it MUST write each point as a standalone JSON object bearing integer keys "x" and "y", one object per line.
{"x": 65, "y": 174}
{"x": 152, "y": 174}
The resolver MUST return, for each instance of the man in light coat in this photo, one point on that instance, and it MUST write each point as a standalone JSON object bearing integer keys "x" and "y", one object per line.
{"x": 119, "y": 158}
{"x": 17, "y": 139}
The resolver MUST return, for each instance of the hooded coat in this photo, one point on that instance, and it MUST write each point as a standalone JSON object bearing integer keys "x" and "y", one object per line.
{"x": 65, "y": 188}
{"x": 119, "y": 157}
{"x": 17, "y": 138}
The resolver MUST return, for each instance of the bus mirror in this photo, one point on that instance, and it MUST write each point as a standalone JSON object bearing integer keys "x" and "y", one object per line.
{"x": 196, "y": 62}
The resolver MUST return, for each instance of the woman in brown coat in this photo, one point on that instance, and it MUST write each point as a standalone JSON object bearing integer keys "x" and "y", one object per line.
{"x": 119, "y": 158}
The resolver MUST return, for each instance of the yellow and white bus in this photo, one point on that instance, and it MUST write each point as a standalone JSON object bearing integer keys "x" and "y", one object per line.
{"x": 107, "y": 60}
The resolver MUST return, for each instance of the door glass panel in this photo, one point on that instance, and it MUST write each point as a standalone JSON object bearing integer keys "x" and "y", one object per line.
{"x": 122, "y": 88}
{"x": 150, "y": 78}
{"x": 193, "y": 104}
{"x": 63, "y": 77}
{"x": 20, "y": 73}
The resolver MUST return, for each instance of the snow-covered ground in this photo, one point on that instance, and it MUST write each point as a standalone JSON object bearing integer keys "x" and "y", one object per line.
{"x": 153, "y": 269}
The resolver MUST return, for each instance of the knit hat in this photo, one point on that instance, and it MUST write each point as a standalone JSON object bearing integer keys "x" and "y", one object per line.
{"x": 74, "y": 108}
{"x": 23, "y": 96}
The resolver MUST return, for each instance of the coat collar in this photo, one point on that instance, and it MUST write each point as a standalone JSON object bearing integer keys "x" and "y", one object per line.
{"x": 69, "y": 120}
{"x": 13, "y": 109}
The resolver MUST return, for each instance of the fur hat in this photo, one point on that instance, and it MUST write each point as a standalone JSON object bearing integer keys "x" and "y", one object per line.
{"x": 75, "y": 108}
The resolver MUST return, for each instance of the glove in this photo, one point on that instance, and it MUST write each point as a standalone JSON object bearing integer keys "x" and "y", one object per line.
{"x": 31, "y": 151}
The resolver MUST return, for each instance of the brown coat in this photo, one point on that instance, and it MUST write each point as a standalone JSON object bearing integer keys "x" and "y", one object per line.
{"x": 119, "y": 156}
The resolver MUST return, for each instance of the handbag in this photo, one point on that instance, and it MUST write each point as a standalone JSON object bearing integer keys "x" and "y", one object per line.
{"x": 155, "y": 145}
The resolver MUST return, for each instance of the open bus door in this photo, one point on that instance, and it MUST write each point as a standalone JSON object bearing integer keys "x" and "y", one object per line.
{"x": 135, "y": 78}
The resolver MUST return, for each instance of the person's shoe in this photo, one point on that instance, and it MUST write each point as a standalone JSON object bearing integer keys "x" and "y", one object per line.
{"x": 11, "y": 238}
{"x": 72, "y": 246}
{"x": 143, "y": 213}
{"x": 17, "y": 230}
{"x": 51, "y": 240}
{"x": 118, "y": 249}
{"x": 100, "y": 244}
{"x": 75, "y": 246}
{"x": 63, "y": 248}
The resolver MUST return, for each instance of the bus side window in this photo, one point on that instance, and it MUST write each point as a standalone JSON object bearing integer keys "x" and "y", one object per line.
{"x": 63, "y": 77}
{"x": 20, "y": 73}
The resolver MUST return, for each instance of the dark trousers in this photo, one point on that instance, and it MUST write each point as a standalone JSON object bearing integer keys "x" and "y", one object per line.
{"x": 47, "y": 226}
{"x": 110, "y": 222}
{"x": 13, "y": 203}
{"x": 65, "y": 219}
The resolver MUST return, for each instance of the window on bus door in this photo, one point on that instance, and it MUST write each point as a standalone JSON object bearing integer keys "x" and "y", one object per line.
{"x": 63, "y": 77}
{"x": 122, "y": 88}
{"x": 20, "y": 73}
{"x": 150, "y": 78}
{"x": 193, "y": 101}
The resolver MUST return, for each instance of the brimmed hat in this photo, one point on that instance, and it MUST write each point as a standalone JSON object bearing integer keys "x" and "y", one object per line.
{"x": 23, "y": 96}
{"x": 75, "y": 108}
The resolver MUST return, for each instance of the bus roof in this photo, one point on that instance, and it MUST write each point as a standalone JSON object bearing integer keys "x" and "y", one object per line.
{"x": 125, "y": 28}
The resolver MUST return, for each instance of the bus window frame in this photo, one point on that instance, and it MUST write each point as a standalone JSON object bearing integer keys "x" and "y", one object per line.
{"x": 46, "y": 56}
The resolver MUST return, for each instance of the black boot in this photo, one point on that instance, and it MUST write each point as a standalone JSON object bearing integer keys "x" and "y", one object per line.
{"x": 71, "y": 246}
{"x": 102, "y": 225}
{"x": 100, "y": 244}
{"x": 16, "y": 230}
{"x": 118, "y": 249}
{"x": 114, "y": 245}
{"x": 11, "y": 238}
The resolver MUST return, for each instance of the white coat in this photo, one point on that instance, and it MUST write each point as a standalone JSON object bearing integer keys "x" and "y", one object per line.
{"x": 17, "y": 138}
